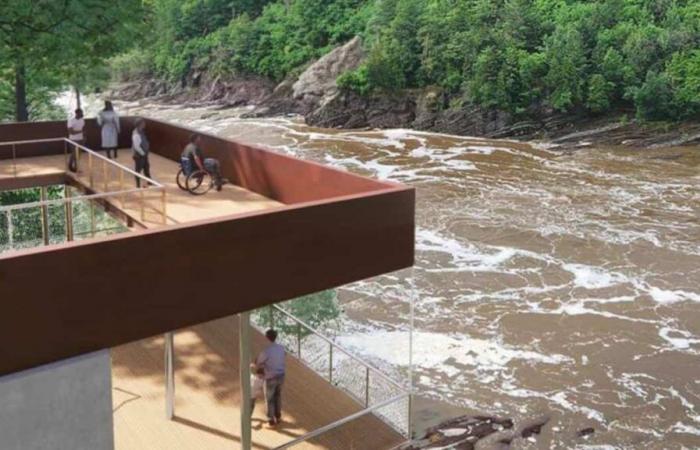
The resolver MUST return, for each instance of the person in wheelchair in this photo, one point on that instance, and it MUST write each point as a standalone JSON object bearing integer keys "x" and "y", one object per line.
{"x": 192, "y": 159}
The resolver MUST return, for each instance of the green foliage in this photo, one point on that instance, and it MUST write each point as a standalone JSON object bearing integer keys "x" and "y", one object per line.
{"x": 599, "y": 92}
{"x": 355, "y": 80}
{"x": 49, "y": 45}
{"x": 250, "y": 37}
{"x": 513, "y": 55}
{"x": 132, "y": 65}
{"x": 27, "y": 222}
{"x": 316, "y": 310}
{"x": 654, "y": 98}
{"x": 684, "y": 77}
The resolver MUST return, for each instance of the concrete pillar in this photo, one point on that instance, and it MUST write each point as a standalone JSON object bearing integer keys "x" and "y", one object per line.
{"x": 62, "y": 405}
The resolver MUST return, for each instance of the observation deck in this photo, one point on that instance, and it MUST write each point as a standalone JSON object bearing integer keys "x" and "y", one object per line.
{"x": 182, "y": 279}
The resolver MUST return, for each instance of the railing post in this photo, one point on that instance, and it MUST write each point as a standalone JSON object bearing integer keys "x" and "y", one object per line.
{"x": 271, "y": 322}
{"x": 65, "y": 152}
{"x": 10, "y": 229}
{"x": 143, "y": 210}
{"x": 69, "y": 214}
{"x": 366, "y": 387}
{"x": 330, "y": 364}
{"x": 44, "y": 216}
{"x": 14, "y": 159}
{"x": 164, "y": 204}
{"x": 299, "y": 340}
{"x": 409, "y": 424}
{"x": 90, "y": 175}
{"x": 93, "y": 224}
{"x": 121, "y": 188}
{"x": 105, "y": 175}
{"x": 169, "y": 376}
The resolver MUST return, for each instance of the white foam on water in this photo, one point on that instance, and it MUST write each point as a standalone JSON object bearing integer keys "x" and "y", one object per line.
{"x": 671, "y": 296}
{"x": 591, "y": 277}
{"x": 681, "y": 341}
{"x": 440, "y": 351}
{"x": 465, "y": 256}
{"x": 681, "y": 427}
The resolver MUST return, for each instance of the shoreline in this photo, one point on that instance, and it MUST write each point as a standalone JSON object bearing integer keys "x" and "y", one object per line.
{"x": 564, "y": 133}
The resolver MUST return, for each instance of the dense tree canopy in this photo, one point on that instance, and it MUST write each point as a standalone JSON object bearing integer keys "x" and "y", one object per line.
{"x": 514, "y": 55}
{"x": 48, "y": 45}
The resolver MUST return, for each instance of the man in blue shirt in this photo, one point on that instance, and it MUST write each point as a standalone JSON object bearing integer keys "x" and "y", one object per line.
{"x": 272, "y": 361}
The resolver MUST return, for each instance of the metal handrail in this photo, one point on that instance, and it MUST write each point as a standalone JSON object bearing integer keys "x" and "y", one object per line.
{"x": 347, "y": 352}
{"x": 60, "y": 201}
{"x": 331, "y": 426}
{"x": 152, "y": 185}
{"x": 88, "y": 150}
{"x": 114, "y": 163}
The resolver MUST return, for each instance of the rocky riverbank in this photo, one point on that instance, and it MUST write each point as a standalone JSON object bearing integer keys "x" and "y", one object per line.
{"x": 490, "y": 433}
{"x": 315, "y": 95}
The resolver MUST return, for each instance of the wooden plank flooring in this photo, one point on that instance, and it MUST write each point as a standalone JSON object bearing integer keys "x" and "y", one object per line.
{"x": 207, "y": 391}
{"x": 181, "y": 206}
{"x": 207, "y": 398}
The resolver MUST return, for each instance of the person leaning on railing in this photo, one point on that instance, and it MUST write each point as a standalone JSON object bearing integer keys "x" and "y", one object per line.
{"x": 272, "y": 361}
{"x": 140, "y": 148}
{"x": 75, "y": 134}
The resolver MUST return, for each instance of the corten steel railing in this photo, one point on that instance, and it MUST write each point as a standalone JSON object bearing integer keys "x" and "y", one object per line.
{"x": 374, "y": 390}
{"x": 98, "y": 173}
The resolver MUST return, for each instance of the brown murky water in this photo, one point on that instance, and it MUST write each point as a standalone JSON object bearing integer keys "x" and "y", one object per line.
{"x": 547, "y": 282}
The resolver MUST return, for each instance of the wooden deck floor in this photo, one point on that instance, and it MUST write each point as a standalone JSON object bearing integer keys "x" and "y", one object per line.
{"x": 207, "y": 398}
{"x": 181, "y": 206}
{"x": 207, "y": 393}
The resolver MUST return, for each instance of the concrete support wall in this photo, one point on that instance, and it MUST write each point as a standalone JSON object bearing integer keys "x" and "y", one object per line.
{"x": 63, "y": 405}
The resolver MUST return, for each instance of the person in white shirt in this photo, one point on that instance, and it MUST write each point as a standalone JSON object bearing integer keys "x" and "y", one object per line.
{"x": 76, "y": 125}
{"x": 140, "y": 148}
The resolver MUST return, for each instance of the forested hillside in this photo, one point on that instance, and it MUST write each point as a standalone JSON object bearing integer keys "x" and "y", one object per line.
{"x": 517, "y": 56}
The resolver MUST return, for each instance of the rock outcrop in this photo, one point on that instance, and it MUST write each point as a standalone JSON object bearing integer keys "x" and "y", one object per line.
{"x": 317, "y": 84}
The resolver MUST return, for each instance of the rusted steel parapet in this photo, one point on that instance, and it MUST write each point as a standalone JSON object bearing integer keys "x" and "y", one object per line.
{"x": 335, "y": 228}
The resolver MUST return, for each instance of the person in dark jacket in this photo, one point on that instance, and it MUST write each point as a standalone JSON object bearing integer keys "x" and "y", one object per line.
{"x": 140, "y": 148}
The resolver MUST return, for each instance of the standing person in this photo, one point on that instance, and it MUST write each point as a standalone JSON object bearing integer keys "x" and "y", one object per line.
{"x": 108, "y": 120}
{"x": 75, "y": 133}
{"x": 193, "y": 153}
{"x": 272, "y": 361}
{"x": 140, "y": 147}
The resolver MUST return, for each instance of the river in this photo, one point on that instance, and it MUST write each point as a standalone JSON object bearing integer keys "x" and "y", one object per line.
{"x": 548, "y": 282}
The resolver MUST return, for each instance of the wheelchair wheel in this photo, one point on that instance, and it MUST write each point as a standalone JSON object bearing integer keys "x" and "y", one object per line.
{"x": 181, "y": 180}
{"x": 199, "y": 182}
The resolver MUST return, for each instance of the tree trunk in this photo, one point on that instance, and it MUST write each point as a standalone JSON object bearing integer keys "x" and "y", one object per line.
{"x": 77, "y": 97}
{"x": 21, "y": 110}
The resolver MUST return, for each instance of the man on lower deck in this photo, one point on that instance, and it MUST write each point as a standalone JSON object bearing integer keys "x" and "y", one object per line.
{"x": 272, "y": 361}
{"x": 193, "y": 153}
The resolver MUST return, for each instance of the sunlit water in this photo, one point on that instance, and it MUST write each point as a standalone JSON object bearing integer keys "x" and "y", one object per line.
{"x": 547, "y": 282}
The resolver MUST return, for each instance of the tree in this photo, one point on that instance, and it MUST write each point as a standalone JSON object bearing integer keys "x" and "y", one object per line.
{"x": 52, "y": 40}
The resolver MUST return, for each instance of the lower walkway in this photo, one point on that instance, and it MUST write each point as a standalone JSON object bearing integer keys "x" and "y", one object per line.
{"x": 207, "y": 399}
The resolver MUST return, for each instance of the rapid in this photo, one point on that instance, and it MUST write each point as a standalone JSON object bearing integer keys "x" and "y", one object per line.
{"x": 564, "y": 283}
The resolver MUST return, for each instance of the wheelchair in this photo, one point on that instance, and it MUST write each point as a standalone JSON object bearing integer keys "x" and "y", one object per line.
{"x": 193, "y": 180}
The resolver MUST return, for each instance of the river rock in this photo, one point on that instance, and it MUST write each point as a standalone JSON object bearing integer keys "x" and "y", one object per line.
{"x": 532, "y": 426}
{"x": 465, "y": 433}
